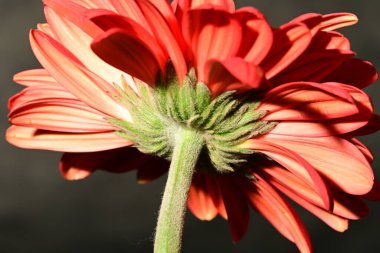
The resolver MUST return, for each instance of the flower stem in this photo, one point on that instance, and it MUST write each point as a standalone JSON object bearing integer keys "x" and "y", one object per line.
{"x": 187, "y": 147}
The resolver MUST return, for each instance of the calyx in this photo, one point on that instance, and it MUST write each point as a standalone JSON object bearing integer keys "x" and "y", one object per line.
{"x": 223, "y": 122}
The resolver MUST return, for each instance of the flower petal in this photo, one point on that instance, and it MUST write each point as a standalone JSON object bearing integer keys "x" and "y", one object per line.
{"x": 289, "y": 42}
{"x": 200, "y": 201}
{"x": 317, "y": 22}
{"x": 76, "y": 166}
{"x": 308, "y": 101}
{"x": 77, "y": 41}
{"x": 330, "y": 127}
{"x": 129, "y": 48}
{"x": 153, "y": 168}
{"x": 295, "y": 188}
{"x": 355, "y": 72}
{"x": 336, "y": 159}
{"x": 31, "y": 138}
{"x": 210, "y": 34}
{"x": 233, "y": 74}
{"x": 236, "y": 206}
{"x": 257, "y": 35}
{"x": 34, "y": 77}
{"x": 294, "y": 163}
{"x": 72, "y": 75}
{"x": 64, "y": 115}
{"x": 336, "y": 21}
{"x": 163, "y": 30}
{"x": 279, "y": 213}
{"x": 312, "y": 67}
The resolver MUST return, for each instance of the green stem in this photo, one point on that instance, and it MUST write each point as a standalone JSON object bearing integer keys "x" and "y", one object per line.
{"x": 187, "y": 147}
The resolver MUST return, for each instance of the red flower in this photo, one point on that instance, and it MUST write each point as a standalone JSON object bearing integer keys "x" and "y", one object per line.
{"x": 304, "y": 72}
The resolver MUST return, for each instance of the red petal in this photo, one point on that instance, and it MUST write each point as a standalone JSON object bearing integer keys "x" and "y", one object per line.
{"x": 279, "y": 213}
{"x": 374, "y": 194}
{"x": 289, "y": 42}
{"x": 336, "y": 159}
{"x": 211, "y": 34}
{"x": 317, "y": 22}
{"x": 336, "y": 21}
{"x": 296, "y": 164}
{"x": 200, "y": 201}
{"x": 331, "y": 127}
{"x": 313, "y": 67}
{"x": 308, "y": 101}
{"x": 73, "y": 76}
{"x": 354, "y": 71}
{"x": 74, "y": 12}
{"x": 154, "y": 168}
{"x": 31, "y": 138}
{"x": 295, "y": 188}
{"x": 328, "y": 41}
{"x": 127, "y": 53}
{"x": 257, "y": 35}
{"x": 75, "y": 166}
{"x": 77, "y": 41}
{"x": 34, "y": 77}
{"x": 163, "y": 30}
{"x": 233, "y": 74}
{"x": 236, "y": 207}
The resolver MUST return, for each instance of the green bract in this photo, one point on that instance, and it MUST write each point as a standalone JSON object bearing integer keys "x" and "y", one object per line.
{"x": 223, "y": 122}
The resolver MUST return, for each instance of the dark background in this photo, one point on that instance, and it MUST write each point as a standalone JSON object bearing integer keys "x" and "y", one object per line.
{"x": 41, "y": 212}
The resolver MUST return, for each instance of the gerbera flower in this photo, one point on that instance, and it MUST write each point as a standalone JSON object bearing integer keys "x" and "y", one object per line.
{"x": 246, "y": 113}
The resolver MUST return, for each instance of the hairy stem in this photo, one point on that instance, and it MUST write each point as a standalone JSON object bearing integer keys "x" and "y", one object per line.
{"x": 187, "y": 147}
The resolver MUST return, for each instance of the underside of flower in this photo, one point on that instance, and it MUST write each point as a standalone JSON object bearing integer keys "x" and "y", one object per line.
{"x": 223, "y": 122}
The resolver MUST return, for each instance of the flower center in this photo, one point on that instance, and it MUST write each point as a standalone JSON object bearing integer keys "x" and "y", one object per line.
{"x": 223, "y": 122}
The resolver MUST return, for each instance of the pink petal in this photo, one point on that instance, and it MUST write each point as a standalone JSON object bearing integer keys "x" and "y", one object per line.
{"x": 257, "y": 35}
{"x": 200, "y": 201}
{"x": 73, "y": 76}
{"x": 236, "y": 207}
{"x": 339, "y": 161}
{"x": 279, "y": 213}
{"x": 34, "y": 77}
{"x": 233, "y": 74}
{"x": 31, "y": 138}
{"x": 210, "y": 34}
{"x": 294, "y": 163}
{"x": 289, "y": 42}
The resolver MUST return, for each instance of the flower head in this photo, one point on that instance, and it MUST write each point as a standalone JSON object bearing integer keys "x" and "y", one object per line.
{"x": 277, "y": 109}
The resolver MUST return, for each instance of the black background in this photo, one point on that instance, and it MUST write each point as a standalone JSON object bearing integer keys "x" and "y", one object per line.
{"x": 41, "y": 212}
